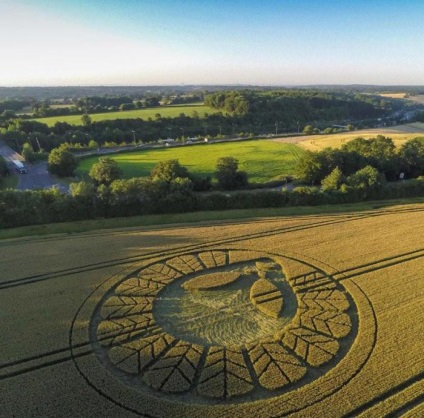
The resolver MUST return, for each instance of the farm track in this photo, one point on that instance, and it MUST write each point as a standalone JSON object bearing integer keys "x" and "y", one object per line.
{"x": 409, "y": 397}
{"x": 416, "y": 398}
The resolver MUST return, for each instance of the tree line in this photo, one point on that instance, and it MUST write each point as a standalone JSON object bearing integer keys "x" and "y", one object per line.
{"x": 358, "y": 171}
{"x": 290, "y": 106}
{"x": 379, "y": 152}
{"x": 242, "y": 113}
{"x": 146, "y": 196}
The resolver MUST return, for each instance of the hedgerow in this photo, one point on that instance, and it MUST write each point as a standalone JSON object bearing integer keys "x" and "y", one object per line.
{"x": 30, "y": 207}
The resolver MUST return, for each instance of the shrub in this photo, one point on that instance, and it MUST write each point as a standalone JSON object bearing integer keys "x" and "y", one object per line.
{"x": 228, "y": 175}
{"x": 105, "y": 171}
{"x": 62, "y": 162}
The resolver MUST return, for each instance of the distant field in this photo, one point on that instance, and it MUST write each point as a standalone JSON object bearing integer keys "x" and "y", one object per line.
{"x": 419, "y": 98}
{"x": 400, "y": 134}
{"x": 166, "y": 111}
{"x": 393, "y": 95}
{"x": 263, "y": 160}
{"x": 60, "y": 106}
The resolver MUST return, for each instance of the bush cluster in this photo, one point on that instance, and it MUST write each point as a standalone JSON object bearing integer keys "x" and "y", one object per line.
{"x": 149, "y": 196}
{"x": 380, "y": 153}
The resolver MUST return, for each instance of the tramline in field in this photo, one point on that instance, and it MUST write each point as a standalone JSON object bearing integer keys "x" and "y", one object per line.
{"x": 290, "y": 316}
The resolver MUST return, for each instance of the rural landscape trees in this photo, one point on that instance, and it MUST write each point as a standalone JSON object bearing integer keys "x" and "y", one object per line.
{"x": 226, "y": 113}
{"x": 62, "y": 162}
{"x": 228, "y": 175}
{"x": 359, "y": 169}
{"x": 105, "y": 171}
{"x": 379, "y": 152}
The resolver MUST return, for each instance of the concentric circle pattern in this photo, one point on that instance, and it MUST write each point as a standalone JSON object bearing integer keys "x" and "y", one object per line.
{"x": 228, "y": 325}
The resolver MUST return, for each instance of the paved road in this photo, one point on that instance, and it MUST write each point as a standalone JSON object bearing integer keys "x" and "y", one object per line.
{"x": 8, "y": 153}
{"x": 37, "y": 176}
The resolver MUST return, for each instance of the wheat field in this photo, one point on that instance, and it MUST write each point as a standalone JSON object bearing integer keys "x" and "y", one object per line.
{"x": 306, "y": 316}
{"x": 399, "y": 133}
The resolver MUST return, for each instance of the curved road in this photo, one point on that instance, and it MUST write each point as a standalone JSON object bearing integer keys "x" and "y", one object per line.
{"x": 37, "y": 176}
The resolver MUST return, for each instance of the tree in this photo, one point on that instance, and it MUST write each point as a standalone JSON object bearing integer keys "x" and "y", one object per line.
{"x": 333, "y": 181}
{"x": 86, "y": 120}
{"x": 93, "y": 144}
{"x": 168, "y": 170}
{"x": 28, "y": 152}
{"x": 127, "y": 106}
{"x": 82, "y": 189}
{"x": 308, "y": 130}
{"x": 229, "y": 178}
{"x": 379, "y": 152}
{"x": 312, "y": 167}
{"x": 62, "y": 162}
{"x": 368, "y": 178}
{"x": 105, "y": 171}
{"x": 4, "y": 170}
{"x": 412, "y": 157}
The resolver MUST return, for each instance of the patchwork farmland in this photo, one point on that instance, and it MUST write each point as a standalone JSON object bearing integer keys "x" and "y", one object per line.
{"x": 318, "y": 315}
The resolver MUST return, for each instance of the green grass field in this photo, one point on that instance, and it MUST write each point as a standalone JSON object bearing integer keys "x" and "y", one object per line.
{"x": 262, "y": 160}
{"x": 165, "y": 111}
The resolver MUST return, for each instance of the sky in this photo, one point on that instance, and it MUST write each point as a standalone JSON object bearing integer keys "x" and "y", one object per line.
{"x": 256, "y": 42}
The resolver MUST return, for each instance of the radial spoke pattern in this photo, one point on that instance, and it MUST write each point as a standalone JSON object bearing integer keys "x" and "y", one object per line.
{"x": 129, "y": 334}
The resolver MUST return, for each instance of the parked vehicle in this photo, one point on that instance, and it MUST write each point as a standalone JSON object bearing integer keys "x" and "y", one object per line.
{"x": 19, "y": 166}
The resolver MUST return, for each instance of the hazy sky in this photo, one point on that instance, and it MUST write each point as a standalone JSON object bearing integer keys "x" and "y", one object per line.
{"x": 146, "y": 42}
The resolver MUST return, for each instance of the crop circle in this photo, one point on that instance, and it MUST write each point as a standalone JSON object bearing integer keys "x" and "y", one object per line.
{"x": 226, "y": 326}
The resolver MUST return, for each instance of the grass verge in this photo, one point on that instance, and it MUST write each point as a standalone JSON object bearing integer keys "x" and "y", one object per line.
{"x": 9, "y": 182}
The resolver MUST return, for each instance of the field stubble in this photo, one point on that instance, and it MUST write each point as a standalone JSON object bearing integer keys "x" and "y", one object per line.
{"x": 399, "y": 133}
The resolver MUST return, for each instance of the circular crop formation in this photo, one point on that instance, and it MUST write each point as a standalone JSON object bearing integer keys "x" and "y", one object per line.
{"x": 222, "y": 325}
